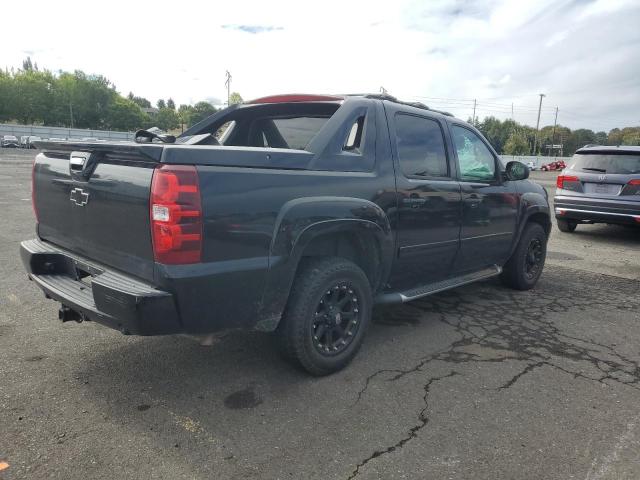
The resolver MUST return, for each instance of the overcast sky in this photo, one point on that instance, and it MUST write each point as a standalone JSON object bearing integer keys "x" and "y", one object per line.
{"x": 584, "y": 55}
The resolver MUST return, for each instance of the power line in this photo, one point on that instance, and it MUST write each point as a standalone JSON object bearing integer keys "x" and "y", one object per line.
{"x": 227, "y": 83}
{"x": 460, "y": 105}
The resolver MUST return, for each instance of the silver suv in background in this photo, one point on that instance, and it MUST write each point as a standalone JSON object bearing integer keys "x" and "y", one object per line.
{"x": 599, "y": 185}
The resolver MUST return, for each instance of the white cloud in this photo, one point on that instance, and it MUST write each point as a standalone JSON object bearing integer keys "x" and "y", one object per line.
{"x": 496, "y": 51}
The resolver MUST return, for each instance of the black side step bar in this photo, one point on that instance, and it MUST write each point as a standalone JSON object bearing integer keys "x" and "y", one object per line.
{"x": 423, "y": 291}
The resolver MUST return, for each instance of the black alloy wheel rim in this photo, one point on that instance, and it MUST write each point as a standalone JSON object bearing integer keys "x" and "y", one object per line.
{"x": 533, "y": 259}
{"x": 336, "y": 319}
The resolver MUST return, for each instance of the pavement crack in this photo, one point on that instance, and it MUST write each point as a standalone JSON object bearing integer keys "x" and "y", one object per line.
{"x": 529, "y": 368}
{"x": 423, "y": 420}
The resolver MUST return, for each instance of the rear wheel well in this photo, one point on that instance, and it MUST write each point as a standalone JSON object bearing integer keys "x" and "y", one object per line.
{"x": 360, "y": 248}
{"x": 542, "y": 219}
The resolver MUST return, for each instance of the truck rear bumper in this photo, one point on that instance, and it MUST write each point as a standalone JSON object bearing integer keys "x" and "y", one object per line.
{"x": 97, "y": 293}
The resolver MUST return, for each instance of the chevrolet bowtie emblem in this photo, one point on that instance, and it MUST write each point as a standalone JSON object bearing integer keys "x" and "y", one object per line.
{"x": 79, "y": 197}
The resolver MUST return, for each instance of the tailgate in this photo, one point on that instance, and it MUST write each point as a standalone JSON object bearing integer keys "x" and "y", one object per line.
{"x": 93, "y": 199}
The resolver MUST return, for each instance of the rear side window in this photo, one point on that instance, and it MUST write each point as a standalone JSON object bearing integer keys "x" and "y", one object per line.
{"x": 421, "y": 149}
{"x": 621, "y": 164}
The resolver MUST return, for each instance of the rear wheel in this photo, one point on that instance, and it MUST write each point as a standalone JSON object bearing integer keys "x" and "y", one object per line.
{"x": 524, "y": 268}
{"x": 566, "y": 226}
{"x": 327, "y": 315}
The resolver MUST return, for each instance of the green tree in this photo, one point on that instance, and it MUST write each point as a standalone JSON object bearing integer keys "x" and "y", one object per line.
{"x": 614, "y": 137}
{"x": 200, "y": 111}
{"x": 234, "y": 98}
{"x": 631, "y": 136}
{"x": 161, "y": 104}
{"x": 141, "y": 101}
{"x": 171, "y": 104}
{"x": 6, "y": 94}
{"x": 27, "y": 65}
{"x": 83, "y": 99}
{"x": 124, "y": 114}
{"x": 184, "y": 115}
{"x": 517, "y": 144}
{"x": 601, "y": 138}
{"x": 31, "y": 97}
{"x": 496, "y": 132}
{"x": 167, "y": 119}
{"x": 583, "y": 137}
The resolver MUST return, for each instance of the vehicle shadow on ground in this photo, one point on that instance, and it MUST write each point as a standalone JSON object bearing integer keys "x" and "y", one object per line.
{"x": 602, "y": 234}
{"x": 241, "y": 370}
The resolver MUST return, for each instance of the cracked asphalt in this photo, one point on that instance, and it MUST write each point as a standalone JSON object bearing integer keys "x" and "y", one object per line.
{"x": 477, "y": 383}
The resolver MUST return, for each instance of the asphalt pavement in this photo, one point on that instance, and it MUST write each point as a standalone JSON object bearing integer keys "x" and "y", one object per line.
{"x": 478, "y": 383}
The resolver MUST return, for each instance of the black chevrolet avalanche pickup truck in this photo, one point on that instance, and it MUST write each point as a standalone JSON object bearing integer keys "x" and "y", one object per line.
{"x": 292, "y": 214}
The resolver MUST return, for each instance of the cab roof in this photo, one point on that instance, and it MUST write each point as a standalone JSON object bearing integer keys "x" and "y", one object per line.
{"x": 303, "y": 97}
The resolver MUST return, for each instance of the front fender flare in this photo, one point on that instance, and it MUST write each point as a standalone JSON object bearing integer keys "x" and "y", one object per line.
{"x": 531, "y": 204}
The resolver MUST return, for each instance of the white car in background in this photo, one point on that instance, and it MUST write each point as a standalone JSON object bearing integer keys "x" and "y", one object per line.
{"x": 532, "y": 166}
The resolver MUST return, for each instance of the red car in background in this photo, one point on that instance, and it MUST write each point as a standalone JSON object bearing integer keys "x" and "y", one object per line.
{"x": 557, "y": 165}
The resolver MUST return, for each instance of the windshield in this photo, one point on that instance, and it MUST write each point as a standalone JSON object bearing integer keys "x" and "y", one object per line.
{"x": 612, "y": 163}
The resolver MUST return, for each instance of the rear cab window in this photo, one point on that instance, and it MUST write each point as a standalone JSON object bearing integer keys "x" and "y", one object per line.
{"x": 342, "y": 141}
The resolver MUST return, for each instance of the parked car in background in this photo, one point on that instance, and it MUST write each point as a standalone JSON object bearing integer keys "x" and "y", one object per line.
{"x": 296, "y": 221}
{"x": 600, "y": 185}
{"x": 26, "y": 141}
{"x": 556, "y": 165}
{"x": 10, "y": 141}
{"x": 32, "y": 139}
{"x": 532, "y": 166}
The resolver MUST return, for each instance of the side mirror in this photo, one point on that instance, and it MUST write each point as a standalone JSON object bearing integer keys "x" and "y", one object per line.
{"x": 516, "y": 171}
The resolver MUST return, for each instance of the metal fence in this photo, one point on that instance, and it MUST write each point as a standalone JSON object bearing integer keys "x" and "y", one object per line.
{"x": 60, "y": 132}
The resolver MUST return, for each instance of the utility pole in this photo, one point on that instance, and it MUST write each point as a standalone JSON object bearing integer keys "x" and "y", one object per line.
{"x": 474, "y": 113}
{"x": 228, "y": 85}
{"x": 511, "y": 111}
{"x": 71, "y": 113}
{"x": 535, "y": 142}
{"x": 553, "y": 135}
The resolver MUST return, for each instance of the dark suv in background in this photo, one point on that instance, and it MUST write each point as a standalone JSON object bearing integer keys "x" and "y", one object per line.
{"x": 599, "y": 185}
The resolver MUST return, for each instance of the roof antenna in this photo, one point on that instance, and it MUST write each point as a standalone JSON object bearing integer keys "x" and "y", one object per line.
{"x": 383, "y": 91}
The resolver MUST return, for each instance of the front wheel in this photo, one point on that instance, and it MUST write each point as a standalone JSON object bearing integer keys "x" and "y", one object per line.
{"x": 327, "y": 315}
{"x": 524, "y": 268}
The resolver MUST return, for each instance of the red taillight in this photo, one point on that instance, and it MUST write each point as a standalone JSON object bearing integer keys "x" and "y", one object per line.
{"x": 635, "y": 181}
{"x": 176, "y": 215}
{"x": 33, "y": 190}
{"x": 565, "y": 178}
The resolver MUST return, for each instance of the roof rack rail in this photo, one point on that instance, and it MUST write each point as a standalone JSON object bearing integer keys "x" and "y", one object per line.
{"x": 391, "y": 98}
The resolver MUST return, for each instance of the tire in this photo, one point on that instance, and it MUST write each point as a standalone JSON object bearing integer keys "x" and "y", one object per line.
{"x": 566, "y": 226}
{"x": 520, "y": 272}
{"x": 315, "y": 333}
